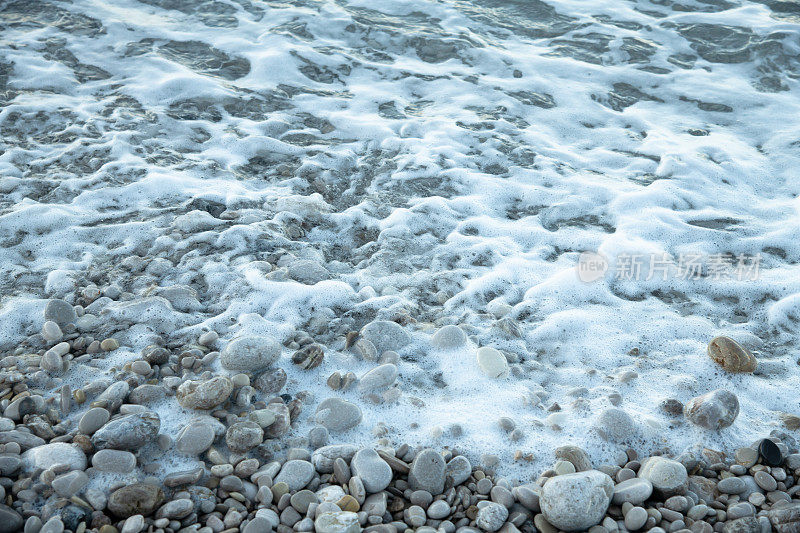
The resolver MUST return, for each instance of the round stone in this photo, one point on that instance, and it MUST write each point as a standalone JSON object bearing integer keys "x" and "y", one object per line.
{"x": 56, "y": 453}
{"x": 765, "y": 481}
{"x": 324, "y": 457}
{"x": 492, "y": 362}
{"x": 438, "y": 510}
{"x": 296, "y": 474}
{"x": 769, "y": 452}
{"x": 60, "y": 312}
{"x": 204, "y": 394}
{"x": 427, "y": 472}
{"x": 118, "y": 461}
{"x": 93, "y": 419}
{"x": 728, "y": 354}
{"x": 378, "y": 379}
{"x": 386, "y": 336}
{"x": 195, "y": 438}
{"x": 69, "y": 484}
{"x": 250, "y": 354}
{"x": 615, "y": 425}
{"x": 244, "y": 436}
{"x": 51, "y": 332}
{"x": 491, "y": 516}
{"x": 128, "y": 432}
{"x": 636, "y": 518}
{"x": 449, "y": 338}
{"x": 375, "y": 473}
{"x": 459, "y": 468}
{"x": 715, "y": 410}
{"x": 575, "y": 455}
{"x": 10, "y": 520}
{"x": 668, "y": 477}
{"x": 336, "y": 414}
{"x": 731, "y": 485}
{"x": 337, "y": 522}
{"x": 575, "y": 502}
{"x": 137, "y": 498}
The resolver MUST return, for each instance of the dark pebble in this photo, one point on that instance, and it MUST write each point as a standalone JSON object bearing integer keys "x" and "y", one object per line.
{"x": 769, "y": 452}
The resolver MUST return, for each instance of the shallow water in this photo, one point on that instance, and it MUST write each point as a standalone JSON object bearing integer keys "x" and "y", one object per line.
{"x": 440, "y": 159}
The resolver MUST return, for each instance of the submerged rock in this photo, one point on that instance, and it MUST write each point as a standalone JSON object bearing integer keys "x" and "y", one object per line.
{"x": 492, "y": 362}
{"x": 715, "y": 410}
{"x": 386, "y": 335}
{"x": 668, "y": 477}
{"x": 338, "y": 415}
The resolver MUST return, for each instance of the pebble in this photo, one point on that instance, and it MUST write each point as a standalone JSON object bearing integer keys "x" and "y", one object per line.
{"x": 375, "y": 473}
{"x": 244, "y": 436}
{"x": 765, "y": 481}
{"x": 427, "y": 472}
{"x": 669, "y": 477}
{"x": 746, "y": 457}
{"x": 438, "y": 510}
{"x": 51, "y": 332}
{"x": 449, "y": 337}
{"x": 337, "y": 522}
{"x": 459, "y": 468}
{"x": 716, "y": 410}
{"x": 57, "y": 453}
{"x": 635, "y": 491}
{"x": 296, "y": 474}
{"x": 492, "y": 362}
{"x": 769, "y": 452}
{"x": 204, "y": 394}
{"x": 128, "y": 432}
{"x": 60, "y": 312}
{"x": 69, "y": 484}
{"x": 10, "y": 520}
{"x": 615, "y": 425}
{"x": 250, "y": 354}
{"x": 635, "y": 518}
{"x": 93, "y": 419}
{"x": 575, "y": 502}
{"x": 136, "y": 498}
{"x": 575, "y": 455}
{"x": 378, "y": 379}
{"x": 195, "y": 438}
{"x": 309, "y": 356}
{"x": 727, "y": 353}
{"x": 338, "y": 415}
{"x": 323, "y": 457}
{"x": 731, "y": 485}
{"x": 491, "y": 517}
{"x": 118, "y": 461}
{"x": 386, "y": 336}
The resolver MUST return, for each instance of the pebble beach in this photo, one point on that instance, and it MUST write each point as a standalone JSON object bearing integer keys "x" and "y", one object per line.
{"x": 399, "y": 267}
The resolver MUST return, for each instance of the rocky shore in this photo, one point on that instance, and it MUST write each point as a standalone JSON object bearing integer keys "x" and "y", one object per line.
{"x": 92, "y": 458}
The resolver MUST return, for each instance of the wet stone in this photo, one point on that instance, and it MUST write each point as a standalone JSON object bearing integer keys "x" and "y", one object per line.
{"x": 427, "y": 472}
{"x": 769, "y": 452}
{"x": 128, "y": 432}
{"x": 577, "y": 501}
{"x": 93, "y": 419}
{"x": 137, "y": 498}
{"x": 195, "y": 438}
{"x": 250, "y": 354}
{"x": 716, "y": 410}
{"x": 296, "y": 474}
{"x": 118, "y": 461}
{"x": 60, "y": 312}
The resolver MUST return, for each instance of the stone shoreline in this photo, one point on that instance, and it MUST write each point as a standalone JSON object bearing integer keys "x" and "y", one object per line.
{"x": 100, "y": 472}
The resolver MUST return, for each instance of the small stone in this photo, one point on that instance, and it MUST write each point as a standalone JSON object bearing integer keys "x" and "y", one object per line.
{"x": 731, "y": 485}
{"x": 250, "y": 354}
{"x": 195, "y": 438}
{"x": 349, "y": 502}
{"x": 438, "y": 510}
{"x": 128, "y": 432}
{"x": 746, "y": 457}
{"x": 449, "y": 338}
{"x": 309, "y": 356}
{"x": 615, "y": 425}
{"x": 427, "y": 472}
{"x": 302, "y": 499}
{"x": 51, "y": 332}
{"x": 575, "y": 502}
{"x": 296, "y": 474}
{"x": 635, "y": 491}
{"x": 323, "y": 457}
{"x": 338, "y": 415}
{"x": 136, "y": 498}
{"x": 765, "y": 481}
{"x": 176, "y": 509}
{"x": 727, "y": 353}
{"x": 749, "y": 524}
{"x": 635, "y": 518}
{"x": 491, "y": 517}
{"x": 244, "y": 436}
{"x": 414, "y": 516}
{"x": 271, "y": 382}
{"x": 492, "y": 362}
{"x": 375, "y": 473}
{"x": 575, "y": 455}
{"x": 378, "y": 379}
{"x": 386, "y": 335}
{"x": 337, "y": 522}
{"x": 69, "y": 484}
{"x": 134, "y": 524}
{"x": 769, "y": 452}
{"x": 668, "y": 477}
{"x": 715, "y": 410}
{"x": 204, "y": 394}
{"x": 459, "y": 468}
{"x": 258, "y": 524}
{"x": 208, "y": 338}
{"x": 109, "y": 345}
{"x": 118, "y": 461}
{"x": 57, "y": 453}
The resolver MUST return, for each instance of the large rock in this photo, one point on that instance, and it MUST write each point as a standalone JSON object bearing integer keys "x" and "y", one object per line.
{"x": 128, "y": 432}
{"x": 323, "y": 458}
{"x": 204, "y": 394}
{"x": 386, "y": 336}
{"x": 575, "y": 502}
{"x": 338, "y": 415}
{"x": 375, "y": 473}
{"x": 668, "y": 477}
{"x": 715, "y": 410}
{"x": 250, "y": 354}
{"x": 137, "y": 498}
{"x": 427, "y": 472}
{"x": 56, "y": 453}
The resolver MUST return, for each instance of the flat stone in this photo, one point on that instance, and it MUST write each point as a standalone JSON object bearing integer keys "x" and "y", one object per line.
{"x": 119, "y": 461}
{"x": 731, "y": 485}
{"x": 136, "y": 498}
{"x": 69, "y": 484}
{"x": 337, "y": 415}
{"x": 575, "y": 502}
{"x": 427, "y": 472}
{"x": 375, "y": 473}
{"x": 25, "y": 440}
{"x": 128, "y": 432}
{"x": 195, "y": 438}
{"x": 114, "y": 396}
{"x": 61, "y": 312}
{"x": 635, "y": 491}
{"x": 250, "y": 354}
{"x": 176, "y": 509}
{"x": 56, "y": 453}
{"x": 93, "y": 419}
